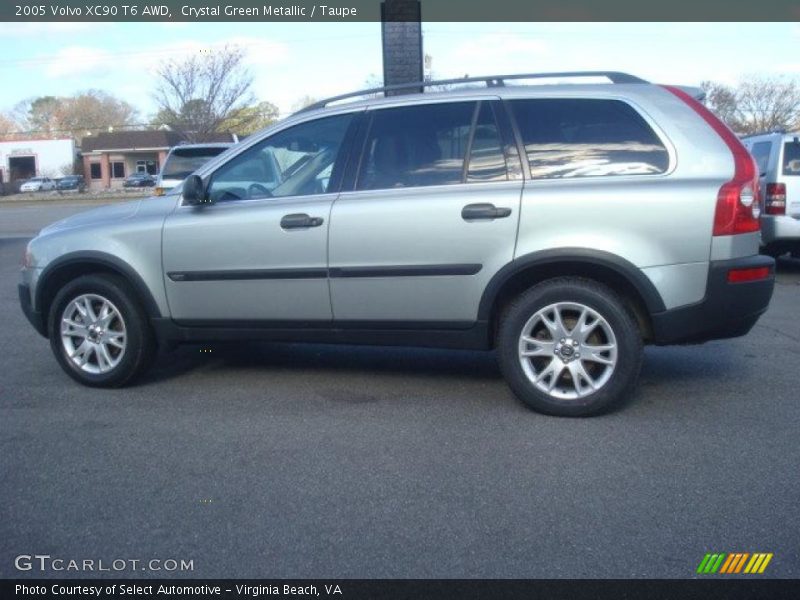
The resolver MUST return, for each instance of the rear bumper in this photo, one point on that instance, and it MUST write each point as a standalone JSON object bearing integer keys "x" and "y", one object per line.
{"x": 728, "y": 309}
{"x": 34, "y": 317}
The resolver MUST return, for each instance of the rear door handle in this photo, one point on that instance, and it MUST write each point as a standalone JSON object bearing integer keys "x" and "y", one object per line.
{"x": 475, "y": 212}
{"x": 300, "y": 221}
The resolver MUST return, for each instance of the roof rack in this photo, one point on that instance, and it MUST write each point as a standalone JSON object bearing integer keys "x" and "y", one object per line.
{"x": 489, "y": 80}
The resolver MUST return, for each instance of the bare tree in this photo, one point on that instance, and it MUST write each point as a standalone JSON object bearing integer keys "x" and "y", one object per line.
{"x": 721, "y": 99}
{"x": 7, "y": 127}
{"x": 93, "y": 111}
{"x": 766, "y": 104}
{"x": 756, "y": 104}
{"x": 199, "y": 94}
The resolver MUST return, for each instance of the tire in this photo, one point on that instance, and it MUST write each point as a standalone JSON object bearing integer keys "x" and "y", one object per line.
{"x": 540, "y": 371}
{"x": 114, "y": 304}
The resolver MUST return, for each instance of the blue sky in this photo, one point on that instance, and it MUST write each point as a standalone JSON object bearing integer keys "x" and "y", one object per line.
{"x": 291, "y": 60}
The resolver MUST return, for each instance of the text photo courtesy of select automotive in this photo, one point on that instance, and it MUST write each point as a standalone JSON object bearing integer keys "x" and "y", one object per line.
{"x": 399, "y": 299}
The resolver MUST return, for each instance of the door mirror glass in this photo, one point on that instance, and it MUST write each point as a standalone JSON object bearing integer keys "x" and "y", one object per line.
{"x": 193, "y": 191}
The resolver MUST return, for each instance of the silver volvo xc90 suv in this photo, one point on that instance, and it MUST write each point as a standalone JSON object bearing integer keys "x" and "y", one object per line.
{"x": 563, "y": 225}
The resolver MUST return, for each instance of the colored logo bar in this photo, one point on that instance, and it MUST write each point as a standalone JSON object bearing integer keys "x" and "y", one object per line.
{"x": 733, "y": 563}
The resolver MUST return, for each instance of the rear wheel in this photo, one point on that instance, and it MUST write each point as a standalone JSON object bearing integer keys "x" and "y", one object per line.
{"x": 98, "y": 332}
{"x": 570, "y": 347}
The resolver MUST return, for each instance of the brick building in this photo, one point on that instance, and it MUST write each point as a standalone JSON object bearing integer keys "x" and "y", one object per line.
{"x": 108, "y": 158}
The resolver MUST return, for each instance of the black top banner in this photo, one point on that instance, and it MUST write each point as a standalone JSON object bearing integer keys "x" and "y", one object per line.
{"x": 432, "y": 10}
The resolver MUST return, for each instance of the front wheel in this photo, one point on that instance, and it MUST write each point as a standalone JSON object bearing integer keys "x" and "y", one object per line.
{"x": 98, "y": 332}
{"x": 570, "y": 347}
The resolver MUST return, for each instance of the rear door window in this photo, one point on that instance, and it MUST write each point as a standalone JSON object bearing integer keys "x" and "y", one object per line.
{"x": 761, "y": 152}
{"x": 791, "y": 158}
{"x": 586, "y": 137}
{"x": 414, "y": 146}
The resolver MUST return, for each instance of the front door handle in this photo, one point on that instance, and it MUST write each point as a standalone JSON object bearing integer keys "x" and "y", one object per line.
{"x": 475, "y": 212}
{"x": 300, "y": 221}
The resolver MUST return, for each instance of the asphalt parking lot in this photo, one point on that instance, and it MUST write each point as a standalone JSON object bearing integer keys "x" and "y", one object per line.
{"x": 271, "y": 460}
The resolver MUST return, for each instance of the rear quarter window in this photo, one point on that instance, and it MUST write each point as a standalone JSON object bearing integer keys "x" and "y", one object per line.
{"x": 791, "y": 158}
{"x": 586, "y": 137}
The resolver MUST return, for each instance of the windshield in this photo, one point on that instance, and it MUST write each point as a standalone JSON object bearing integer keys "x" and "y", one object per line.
{"x": 791, "y": 158}
{"x": 185, "y": 161}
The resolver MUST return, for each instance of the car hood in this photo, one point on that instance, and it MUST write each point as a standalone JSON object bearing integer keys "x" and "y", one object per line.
{"x": 111, "y": 213}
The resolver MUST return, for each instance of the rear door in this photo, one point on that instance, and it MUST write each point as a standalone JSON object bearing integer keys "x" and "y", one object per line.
{"x": 431, "y": 217}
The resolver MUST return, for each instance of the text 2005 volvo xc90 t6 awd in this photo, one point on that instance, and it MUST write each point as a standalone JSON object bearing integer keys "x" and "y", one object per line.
{"x": 563, "y": 225}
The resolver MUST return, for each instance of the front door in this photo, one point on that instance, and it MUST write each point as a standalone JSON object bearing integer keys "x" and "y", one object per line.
{"x": 258, "y": 252}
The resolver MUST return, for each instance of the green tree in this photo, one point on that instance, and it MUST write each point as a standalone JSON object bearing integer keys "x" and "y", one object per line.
{"x": 250, "y": 119}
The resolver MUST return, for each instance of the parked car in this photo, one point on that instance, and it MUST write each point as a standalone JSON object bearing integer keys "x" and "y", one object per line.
{"x": 139, "y": 180}
{"x": 777, "y": 155}
{"x": 38, "y": 184}
{"x": 71, "y": 183}
{"x": 563, "y": 225}
{"x": 184, "y": 160}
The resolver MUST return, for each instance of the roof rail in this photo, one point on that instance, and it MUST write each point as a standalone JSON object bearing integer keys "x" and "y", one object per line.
{"x": 489, "y": 80}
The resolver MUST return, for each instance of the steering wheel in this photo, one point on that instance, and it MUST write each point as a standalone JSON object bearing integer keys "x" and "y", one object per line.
{"x": 256, "y": 190}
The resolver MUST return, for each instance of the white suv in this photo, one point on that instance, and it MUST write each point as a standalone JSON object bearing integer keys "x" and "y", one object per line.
{"x": 778, "y": 158}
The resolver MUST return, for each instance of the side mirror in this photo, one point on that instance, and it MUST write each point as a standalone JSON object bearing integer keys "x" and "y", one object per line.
{"x": 194, "y": 192}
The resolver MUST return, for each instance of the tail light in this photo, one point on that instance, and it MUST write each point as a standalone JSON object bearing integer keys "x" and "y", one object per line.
{"x": 738, "y": 209}
{"x": 159, "y": 191}
{"x": 775, "y": 200}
